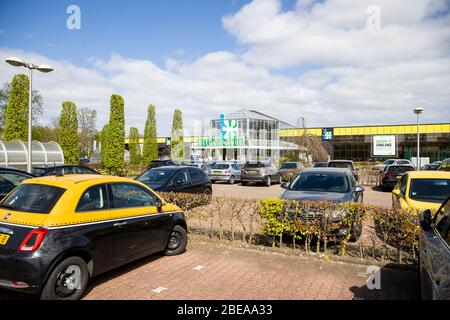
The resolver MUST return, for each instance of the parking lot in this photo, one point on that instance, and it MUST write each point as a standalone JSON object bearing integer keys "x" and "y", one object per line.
{"x": 209, "y": 270}
{"x": 372, "y": 195}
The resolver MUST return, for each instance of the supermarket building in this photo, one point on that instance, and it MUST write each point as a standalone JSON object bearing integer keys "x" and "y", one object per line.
{"x": 248, "y": 135}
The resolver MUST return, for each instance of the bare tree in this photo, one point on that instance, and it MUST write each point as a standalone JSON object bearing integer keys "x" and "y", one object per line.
{"x": 87, "y": 131}
{"x": 312, "y": 144}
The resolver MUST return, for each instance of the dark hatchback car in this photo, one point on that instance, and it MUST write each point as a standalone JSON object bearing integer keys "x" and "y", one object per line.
{"x": 261, "y": 172}
{"x": 326, "y": 184}
{"x": 434, "y": 248}
{"x": 163, "y": 163}
{"x": 346, "y": 164}
{"x": 56, "y": 233}
{"x": 391, "y": 175}
{"x": 11, "y": 178}
{"x": 62, "y": 170}
{"x": 177, "y": 179}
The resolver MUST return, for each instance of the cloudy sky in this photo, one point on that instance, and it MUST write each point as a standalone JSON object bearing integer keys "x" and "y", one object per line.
{"x": 334, "y": 62}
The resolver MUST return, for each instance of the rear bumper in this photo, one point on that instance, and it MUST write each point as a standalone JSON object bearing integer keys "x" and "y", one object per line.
{"x": 253, "y": 178}
{"x": 23, "y": 272}
{"x": 219, "y": 177}
{"x": 388, "y": 183}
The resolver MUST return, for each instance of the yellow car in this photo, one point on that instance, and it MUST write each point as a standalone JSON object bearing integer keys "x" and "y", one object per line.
{"x": 421, "y": 190}
{"x": 57, "y": 232}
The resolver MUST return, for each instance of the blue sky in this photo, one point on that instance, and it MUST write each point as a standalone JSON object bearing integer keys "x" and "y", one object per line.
{"x": 139, "y": 29}
{"x": 320, "y": 60}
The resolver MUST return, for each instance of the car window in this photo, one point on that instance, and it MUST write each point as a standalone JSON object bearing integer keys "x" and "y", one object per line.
{"x": 321, "y": 182}
{"x": 352, "y": 181}
{"x": 180, "y": 177}
{"x": 433, "y": 190}
{"x": 220, "y": 166}
{"x": 235, "y": 166}
{"x": 155, "y": 176}
{"x": 399, "y": 169}
{"x": 288, "y": 165}
{"x": 347, "y": 165}
{"x": 33, "y": 198}
{"x": 128, "y": 195}
{"x": 83, "y": 170}
{"x": 403, "y": 184}
{"x": 441, "y": 220}
{"x": 10, "y": 180}
{"x": 196, "y": 175}
{"x": 93, "y": 199}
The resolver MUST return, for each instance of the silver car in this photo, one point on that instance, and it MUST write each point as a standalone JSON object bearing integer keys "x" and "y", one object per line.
{"x": 225, "y": 171}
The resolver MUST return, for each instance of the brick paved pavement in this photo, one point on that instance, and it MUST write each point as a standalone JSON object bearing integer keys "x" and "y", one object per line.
{"x": 214, "y": 271}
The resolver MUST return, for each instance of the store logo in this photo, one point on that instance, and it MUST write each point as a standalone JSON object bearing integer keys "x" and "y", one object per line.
{"x": 327, "y": 134}
{"x": 229, "y": 128}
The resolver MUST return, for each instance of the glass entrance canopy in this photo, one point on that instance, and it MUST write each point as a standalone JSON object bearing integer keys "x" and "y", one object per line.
{"x": 243, "y": 135}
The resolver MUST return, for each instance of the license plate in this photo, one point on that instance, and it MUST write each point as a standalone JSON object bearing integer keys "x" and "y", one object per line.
{"x": 3, "y": 238}
{"x": 252, "y": 171}
{"x": 217, "y": 172}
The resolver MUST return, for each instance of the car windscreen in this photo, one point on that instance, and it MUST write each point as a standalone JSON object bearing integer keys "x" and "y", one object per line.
{"x": 321, "y": 182}
{"x": 288, "y": 166}
{"x": 220, "y": 166}
{"x": 255, "y": 165}
{"x": 33, "y": 198}
{"x": 433, "y": 190}
{"x": 347, "y": 165}
{"x": 157, "y": 177}
{"x": 399, "y": 169}
{"x": 320, "y": 165}
{"x": 38, "y": 171}
{"x": 388, "y": 162}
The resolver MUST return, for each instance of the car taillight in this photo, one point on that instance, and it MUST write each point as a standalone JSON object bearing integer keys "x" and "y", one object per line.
{"x": 33, "y": 240}
{"x": 227, "y": 171}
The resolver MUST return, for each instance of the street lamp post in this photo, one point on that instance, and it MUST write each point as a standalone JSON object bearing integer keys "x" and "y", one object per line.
{"x": 16, "y": 62}
{"x": 418, "y": 111}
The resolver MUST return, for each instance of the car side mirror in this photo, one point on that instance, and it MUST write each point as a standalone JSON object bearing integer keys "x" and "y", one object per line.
{"x": 285, "y": 185}
{"x": 425, "y": 219}
{"x": 396, "y": 192}
{"x": 359, "y": 188}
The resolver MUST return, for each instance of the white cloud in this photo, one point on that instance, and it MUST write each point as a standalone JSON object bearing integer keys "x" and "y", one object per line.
{"x": 335, "y": 32}
{"x": 345, "y": 88}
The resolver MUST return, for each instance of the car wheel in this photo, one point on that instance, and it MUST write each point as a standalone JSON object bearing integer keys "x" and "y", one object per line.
{"x": 356, "y": 232}
{"x": 67, "y": 281}
{"x": 280, "y": 179}
{"x": 207, "y": 192}
{"x": 213, "y": 181}
{"x": 268, "y": 181}
{"x": 177, "y": 241}
{"x": 231, "y": 180}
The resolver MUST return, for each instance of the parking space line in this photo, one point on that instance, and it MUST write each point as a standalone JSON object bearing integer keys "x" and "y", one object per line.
{"x": 159, "y": 289}
{"x": 199, "y": 267}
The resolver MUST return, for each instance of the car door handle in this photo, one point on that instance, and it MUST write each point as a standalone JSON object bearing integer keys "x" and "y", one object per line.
{"x": 119, "y": 224}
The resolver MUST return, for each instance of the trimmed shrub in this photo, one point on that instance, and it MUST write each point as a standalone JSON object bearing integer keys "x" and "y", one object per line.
{"x": 150, "y": 148}
{"x": 68, "y": 132}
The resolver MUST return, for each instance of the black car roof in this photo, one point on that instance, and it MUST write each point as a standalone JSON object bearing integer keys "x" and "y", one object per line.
{"x": 343, "y": 171}
{"x": 173, "y": 168}
{"x": 7, "y": 169}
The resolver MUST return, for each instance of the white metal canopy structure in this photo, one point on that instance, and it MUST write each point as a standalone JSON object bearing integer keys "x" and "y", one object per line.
{"x": 15, "y": 154}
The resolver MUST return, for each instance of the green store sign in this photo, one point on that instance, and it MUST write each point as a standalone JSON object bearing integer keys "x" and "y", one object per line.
{"x": 221, "y": 142}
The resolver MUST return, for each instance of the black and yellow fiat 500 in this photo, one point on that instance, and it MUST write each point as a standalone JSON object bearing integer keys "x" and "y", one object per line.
{"x": 57, "y": 232}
